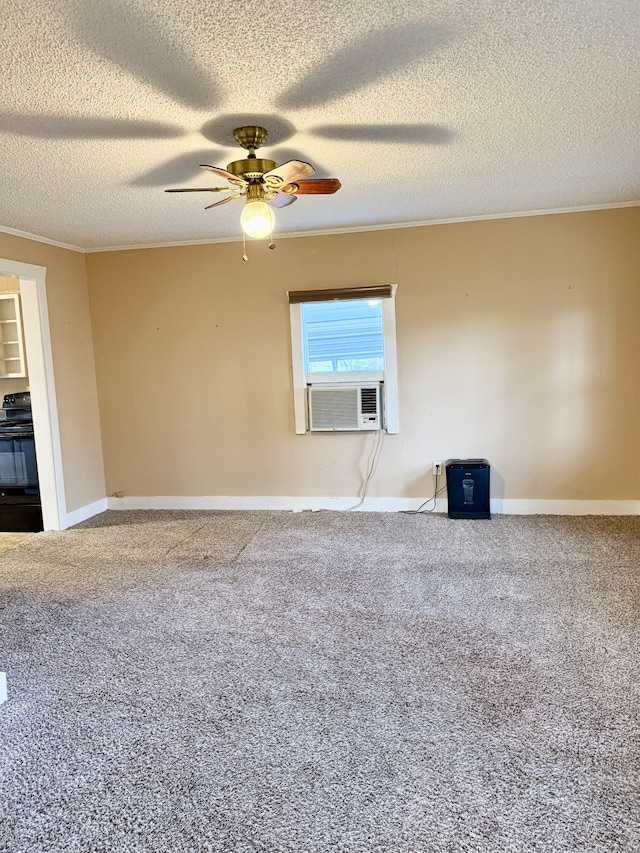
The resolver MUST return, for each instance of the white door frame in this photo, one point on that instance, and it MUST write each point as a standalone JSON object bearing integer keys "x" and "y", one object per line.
{"x": 35, "y": 319}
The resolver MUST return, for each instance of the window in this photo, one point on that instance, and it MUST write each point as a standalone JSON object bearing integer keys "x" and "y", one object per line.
{"x": 344, "y": 336}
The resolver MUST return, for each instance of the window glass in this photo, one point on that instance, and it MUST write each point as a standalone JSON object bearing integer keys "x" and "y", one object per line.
{"x": 343, "y": 336}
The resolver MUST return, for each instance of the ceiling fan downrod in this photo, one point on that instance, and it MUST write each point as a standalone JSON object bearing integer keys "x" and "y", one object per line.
{"x": 251, "y": 138}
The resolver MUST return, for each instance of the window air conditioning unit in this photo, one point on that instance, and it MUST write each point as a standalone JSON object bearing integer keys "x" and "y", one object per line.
{"x": 344, "y": 408}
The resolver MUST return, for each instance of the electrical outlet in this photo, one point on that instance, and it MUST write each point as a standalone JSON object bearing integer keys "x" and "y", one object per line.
{"x": 118, "y": 494}
{"x": 437, "y": 468}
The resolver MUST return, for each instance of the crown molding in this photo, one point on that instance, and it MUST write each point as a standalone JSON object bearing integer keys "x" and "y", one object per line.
{"x": 37, "y": 238}
{"x": 391, "y": 226}
{"x": 356, "y": 229}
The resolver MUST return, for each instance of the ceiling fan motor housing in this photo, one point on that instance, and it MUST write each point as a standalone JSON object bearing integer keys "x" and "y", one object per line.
{"x": 252, "y": 168}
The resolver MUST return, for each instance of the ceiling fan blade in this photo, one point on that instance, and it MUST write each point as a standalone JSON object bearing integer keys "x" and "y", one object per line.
{"x": 228, "y": 176}
{"x": 223, "y": 201}
{"x": 291, "y": 171}
{"x": 318, "y": 186}
{"x": 281, "y": 200}
{"x": 203, "y": 190}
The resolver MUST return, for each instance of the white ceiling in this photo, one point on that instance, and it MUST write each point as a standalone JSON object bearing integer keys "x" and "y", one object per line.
{"x": 425, "y": 111}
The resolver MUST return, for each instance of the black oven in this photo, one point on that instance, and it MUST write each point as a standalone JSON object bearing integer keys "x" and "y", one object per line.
{"x": 20, "y": 508}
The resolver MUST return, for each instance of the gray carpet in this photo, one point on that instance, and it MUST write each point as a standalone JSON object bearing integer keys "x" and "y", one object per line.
{"x": 322, "y": 683}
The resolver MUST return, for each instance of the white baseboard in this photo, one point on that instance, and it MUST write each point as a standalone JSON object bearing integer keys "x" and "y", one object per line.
{"x": 3, "y": 687}
{"x": 551, "y": 507}
{"x": 83, "y": 513}
{"x": 275, "y": 502}
{"x": 297, "y": 504}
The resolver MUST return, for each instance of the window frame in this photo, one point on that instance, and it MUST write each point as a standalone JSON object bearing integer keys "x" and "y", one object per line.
{"x": 388, "y": 376}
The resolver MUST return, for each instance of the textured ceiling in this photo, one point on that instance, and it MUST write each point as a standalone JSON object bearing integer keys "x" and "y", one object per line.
{"x": 425, "y": 111}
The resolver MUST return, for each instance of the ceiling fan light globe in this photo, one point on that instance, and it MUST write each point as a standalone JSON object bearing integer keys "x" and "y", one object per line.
{"x": 257, "y": 219}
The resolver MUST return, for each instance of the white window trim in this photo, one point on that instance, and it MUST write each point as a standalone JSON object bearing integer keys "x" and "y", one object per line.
{"x": 389, "y": 375}
{"x": 297, "y": 367}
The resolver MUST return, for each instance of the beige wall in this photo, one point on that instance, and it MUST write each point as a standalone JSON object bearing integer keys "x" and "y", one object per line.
{"x": 73, "y": 364}
{"x": 517, "y": 341}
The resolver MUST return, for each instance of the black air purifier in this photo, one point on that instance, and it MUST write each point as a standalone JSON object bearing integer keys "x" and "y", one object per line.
{"x": 468, "y": 488}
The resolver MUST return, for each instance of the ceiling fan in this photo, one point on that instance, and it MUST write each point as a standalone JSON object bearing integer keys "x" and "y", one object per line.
{"x": 263, "y": 183}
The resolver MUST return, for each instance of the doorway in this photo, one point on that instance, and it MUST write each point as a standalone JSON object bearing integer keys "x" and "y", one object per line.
{"x": 31, "y": 283}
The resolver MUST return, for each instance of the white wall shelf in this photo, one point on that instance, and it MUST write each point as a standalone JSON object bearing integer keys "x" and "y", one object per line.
{"x": 12, "y": 361}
